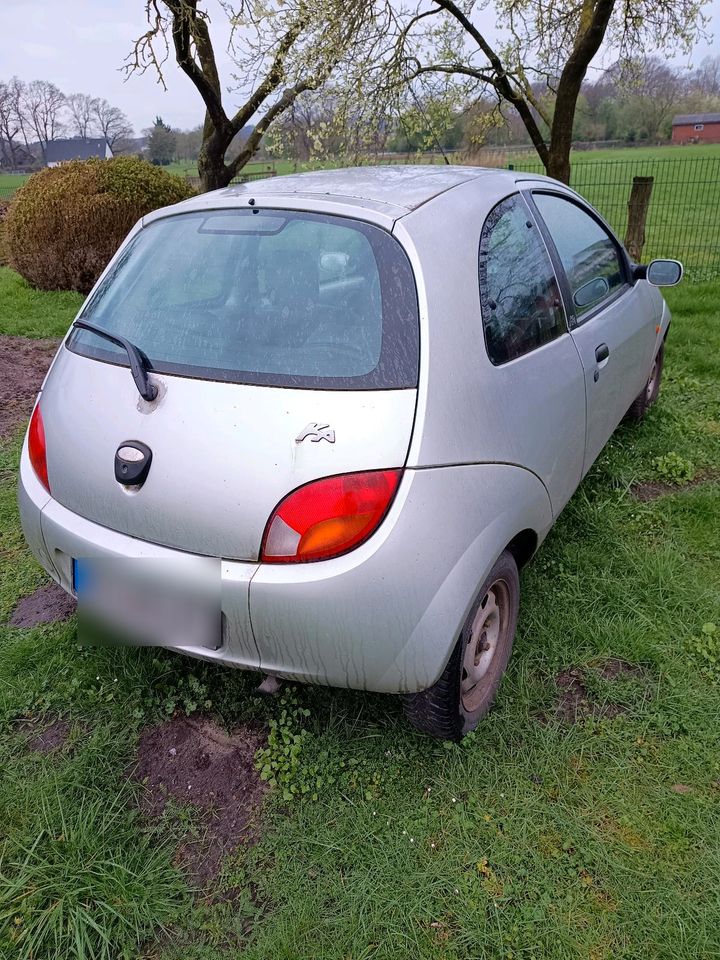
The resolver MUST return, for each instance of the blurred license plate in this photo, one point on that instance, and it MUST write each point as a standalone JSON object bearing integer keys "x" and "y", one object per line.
{"x": 149, "y": 602}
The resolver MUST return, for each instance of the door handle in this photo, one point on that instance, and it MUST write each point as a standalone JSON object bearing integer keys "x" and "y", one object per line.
{"x": 602, "y": 352}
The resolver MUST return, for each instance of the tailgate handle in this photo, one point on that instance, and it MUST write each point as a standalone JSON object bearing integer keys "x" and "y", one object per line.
{"x": 132, "y": 463}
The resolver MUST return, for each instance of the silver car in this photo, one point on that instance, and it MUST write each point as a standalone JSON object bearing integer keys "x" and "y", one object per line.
{"x": 313, "y": 426}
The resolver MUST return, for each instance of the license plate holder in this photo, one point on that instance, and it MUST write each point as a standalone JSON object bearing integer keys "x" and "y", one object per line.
{"x": 148, "y": 602}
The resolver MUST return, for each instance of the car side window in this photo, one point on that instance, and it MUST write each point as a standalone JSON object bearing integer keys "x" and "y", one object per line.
{"x": 519, "y": 295}
{"x": 589, "y": 255}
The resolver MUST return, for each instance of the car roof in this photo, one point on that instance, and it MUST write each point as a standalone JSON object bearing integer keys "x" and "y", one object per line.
{"x": 399, "y": 186}
{"x": 377, "y": 194}
{"x": 406, "y": 186}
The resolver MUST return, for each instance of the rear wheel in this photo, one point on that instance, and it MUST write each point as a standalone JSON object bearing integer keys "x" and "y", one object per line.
{"x": 455, "y": 704}
{"x": 649, "y": 393}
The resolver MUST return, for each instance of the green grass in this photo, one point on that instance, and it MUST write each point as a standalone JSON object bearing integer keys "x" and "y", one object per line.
{"x": 683, "y": 216}
{"x": 531, "y": 839}
{"x": 34, "y": 313}
{"x": 9, "y": 183}
{"x": 682, "y": 219}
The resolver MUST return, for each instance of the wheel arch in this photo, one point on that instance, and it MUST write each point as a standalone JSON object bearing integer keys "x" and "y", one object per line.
{"x": 523, "y": 546}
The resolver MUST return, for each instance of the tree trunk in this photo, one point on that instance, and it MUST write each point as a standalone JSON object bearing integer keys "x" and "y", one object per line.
{"x": 594, "y": 21}
{"x": 211, "y": 159}
{"x": 558, "y": 161}
{"x": 214, "y": 172}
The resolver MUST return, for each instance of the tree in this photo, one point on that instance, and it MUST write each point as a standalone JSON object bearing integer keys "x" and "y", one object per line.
{"x": 309, "y": 127}
{"x": 554, "y": 41}
{"x": 111, "y": 122}
{"x": 42, "y": 107}
{"x": 161, "y": 143}
{"x": 10, "y": 122}
{"x": 280, "y": 49}
{"x": 81, "y": 108}
{"x": 189, "y": 143}
{"x": 706, "y": 78}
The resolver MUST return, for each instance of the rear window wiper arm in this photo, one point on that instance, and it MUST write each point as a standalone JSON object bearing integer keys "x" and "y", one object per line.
{"x": 138, "y": 360}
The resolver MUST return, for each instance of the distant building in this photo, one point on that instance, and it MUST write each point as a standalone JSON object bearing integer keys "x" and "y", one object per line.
{"x": 696, "y": 128}
{"x": 77, "y": 148}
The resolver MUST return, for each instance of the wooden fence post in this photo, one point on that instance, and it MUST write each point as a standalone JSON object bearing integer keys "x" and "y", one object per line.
{"x": 638, "y": 206}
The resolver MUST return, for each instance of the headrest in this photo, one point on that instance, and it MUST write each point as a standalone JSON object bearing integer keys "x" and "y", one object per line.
{"x": 292, "y": 277}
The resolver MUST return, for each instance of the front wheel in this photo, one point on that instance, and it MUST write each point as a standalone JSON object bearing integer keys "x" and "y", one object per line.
{"x": 455, "y": 704}
{"x": 649, "y": 393}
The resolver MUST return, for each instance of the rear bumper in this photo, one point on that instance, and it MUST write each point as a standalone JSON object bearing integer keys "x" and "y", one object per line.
{"x": 56, "y": 535}
{"x": 383, "y": 617}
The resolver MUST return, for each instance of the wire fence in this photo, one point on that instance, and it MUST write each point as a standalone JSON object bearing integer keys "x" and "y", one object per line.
{"x": 683, "y": 219}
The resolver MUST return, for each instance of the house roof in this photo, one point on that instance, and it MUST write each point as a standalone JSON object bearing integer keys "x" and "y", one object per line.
{"x": 78, "y": 148}
{"x": 683, "y": 118}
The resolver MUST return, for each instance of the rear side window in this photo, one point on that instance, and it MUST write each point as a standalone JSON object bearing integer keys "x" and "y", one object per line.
{"x": 519, "y": 295}
{"x": 588, "y": 253}
{"x": 262, "y": 296}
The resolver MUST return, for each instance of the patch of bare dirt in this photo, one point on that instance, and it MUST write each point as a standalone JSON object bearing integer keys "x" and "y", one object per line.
{"x": 47, "y": 739}
{"x": 23, "y": 365}
{"x": 576, "y": 703}
{"x": 653, "y": 490}
{"x": 47, "y": 605}
{"x": 192, "y": 761}
{"x": 614, "y": 668}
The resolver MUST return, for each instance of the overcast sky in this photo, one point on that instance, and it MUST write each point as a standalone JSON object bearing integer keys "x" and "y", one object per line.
{"x": 80, "y": 45}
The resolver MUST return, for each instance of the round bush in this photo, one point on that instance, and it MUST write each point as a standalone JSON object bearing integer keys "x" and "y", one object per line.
{"x": 66, "y": 222}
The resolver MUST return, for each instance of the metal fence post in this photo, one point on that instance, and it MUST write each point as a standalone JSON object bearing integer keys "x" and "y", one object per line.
{"x": 638, "y": 206}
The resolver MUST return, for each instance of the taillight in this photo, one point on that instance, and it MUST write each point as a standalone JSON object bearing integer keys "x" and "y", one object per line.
{"x": 328, "y": 517}
{"x": 36, "y": 447}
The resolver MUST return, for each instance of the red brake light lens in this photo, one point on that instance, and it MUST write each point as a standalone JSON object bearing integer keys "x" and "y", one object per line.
{"x": 328, "y": 517}
{"x": 36, "y": 447}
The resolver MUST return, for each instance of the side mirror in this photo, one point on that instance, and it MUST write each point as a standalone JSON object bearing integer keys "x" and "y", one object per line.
{"x": 591, "y": 292}
{"x": 664, "y": 273}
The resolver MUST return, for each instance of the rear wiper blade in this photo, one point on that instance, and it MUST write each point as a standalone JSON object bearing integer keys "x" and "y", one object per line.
{"x": 138, "y": 360}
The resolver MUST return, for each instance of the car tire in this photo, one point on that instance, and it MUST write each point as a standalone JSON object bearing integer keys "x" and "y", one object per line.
{"x": 456, "y": 702}
{"x": 649, "y": 393}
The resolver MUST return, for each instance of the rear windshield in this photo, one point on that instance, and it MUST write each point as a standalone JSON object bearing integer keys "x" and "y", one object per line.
{"x": 262, "y": 296}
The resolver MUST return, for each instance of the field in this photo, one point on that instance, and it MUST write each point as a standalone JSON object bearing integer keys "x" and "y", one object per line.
{"x": 684, "y": 214}
{"x": 10, "y": 182}
{"x": 582, "y": 820}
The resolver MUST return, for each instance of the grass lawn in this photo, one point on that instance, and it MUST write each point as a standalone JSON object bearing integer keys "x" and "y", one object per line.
{"x": 9, "y": 183}
{"x": 684, "y": 214}
{"x": 536, "y": 837}
{"x": 34, "y": 313}
{"x": 683, "y": 219}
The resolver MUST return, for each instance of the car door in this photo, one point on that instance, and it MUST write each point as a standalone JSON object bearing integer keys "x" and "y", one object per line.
{"x": 536, "y": 383}
{"x": 610, "y": 324}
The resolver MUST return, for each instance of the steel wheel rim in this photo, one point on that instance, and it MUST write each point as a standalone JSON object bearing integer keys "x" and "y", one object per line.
{"x": 484, "y": 639}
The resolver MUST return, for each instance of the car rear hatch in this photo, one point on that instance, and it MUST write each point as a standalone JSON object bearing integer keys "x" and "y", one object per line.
{"x": 284, "y": 348}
